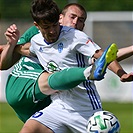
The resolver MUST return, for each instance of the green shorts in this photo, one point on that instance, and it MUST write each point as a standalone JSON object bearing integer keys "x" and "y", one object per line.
{"x": 22, "y": 91}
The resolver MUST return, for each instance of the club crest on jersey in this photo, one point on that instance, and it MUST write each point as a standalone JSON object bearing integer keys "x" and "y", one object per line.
{"x": 41, "y": 49}
{"x": 52, "y": 66}
{"x": 60, "y": 47}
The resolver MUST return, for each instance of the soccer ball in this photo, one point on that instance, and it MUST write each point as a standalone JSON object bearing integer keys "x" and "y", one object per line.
{"x": 103, "y": 122}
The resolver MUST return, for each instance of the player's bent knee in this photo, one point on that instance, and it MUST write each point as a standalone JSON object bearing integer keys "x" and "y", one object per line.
{"x": 43, "y": 84}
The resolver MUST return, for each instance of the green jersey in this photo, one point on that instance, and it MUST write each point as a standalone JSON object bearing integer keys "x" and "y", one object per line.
{"x": 22, "y": 91}
{"x": 26, "y": 37}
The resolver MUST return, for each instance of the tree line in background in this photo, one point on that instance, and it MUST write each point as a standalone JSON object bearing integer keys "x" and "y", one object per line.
{"x": 10, "y": 9}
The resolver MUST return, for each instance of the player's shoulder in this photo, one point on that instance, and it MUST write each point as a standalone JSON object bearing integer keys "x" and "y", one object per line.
{"x": 28, "y": 34}
{"x": 37, "y": 38}
{"x": 33, "y": 29}
{"x": 73, "y": 32}
{"x": 66, "y": 28}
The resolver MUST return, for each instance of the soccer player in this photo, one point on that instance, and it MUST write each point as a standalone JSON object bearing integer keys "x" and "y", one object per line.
{"x": 34, "y": 82}
{"x": 74, "y": 15}
{"x": 26, "y": 72}
{"x": 58, "y": 48}
{"x": 73, "y": 12}
{"x": 22, "y": 76}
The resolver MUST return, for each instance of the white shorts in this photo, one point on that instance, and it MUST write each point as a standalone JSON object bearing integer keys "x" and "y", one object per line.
{"x": 61, "y": 120}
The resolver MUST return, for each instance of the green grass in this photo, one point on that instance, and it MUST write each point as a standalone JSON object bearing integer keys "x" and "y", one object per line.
{"x": 9, "y": 123}
{"x": 124, "y": 112}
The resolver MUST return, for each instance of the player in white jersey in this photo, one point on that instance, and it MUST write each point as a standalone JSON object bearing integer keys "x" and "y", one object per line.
{"x": 67, "y": 15}
{"x": 33, "y": 68}
{"x": 58, "y": 45}
{"x": 27, "y": 76}
{"x": 15, "y": 76}
{"x": 61, "y": 55}
{"x": 62, "y": 47}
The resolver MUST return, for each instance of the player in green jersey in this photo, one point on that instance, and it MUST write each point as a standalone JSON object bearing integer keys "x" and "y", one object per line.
{"x": 29, "y": 83}
{"x": 22, "y": 76}
{"x": 46, "y": 46}
{"x": 26, "y": 62}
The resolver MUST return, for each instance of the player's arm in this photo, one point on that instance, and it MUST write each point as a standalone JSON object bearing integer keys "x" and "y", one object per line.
{"x": 8, "y": 57}
{"x": 124, "y": 53}
{"x": 1, "y": 48}
{"x": 24, "y": 49}
{"x": 23, "y": 44}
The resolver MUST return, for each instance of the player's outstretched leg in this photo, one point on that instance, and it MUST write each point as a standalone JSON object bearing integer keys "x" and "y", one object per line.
{"x": 99, "y": 68}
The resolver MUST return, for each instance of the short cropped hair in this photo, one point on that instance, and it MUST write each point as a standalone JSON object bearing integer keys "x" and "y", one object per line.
{"x": 74, "y": 4}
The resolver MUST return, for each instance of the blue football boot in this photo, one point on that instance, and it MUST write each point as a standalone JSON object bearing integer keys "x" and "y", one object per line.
{"x": 99, "y": 67}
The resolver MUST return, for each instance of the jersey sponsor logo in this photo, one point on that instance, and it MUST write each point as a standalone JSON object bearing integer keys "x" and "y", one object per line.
{"x": 89, "y": 40}
{"x": 52, "y": 66}
{"x": 60, "y": 47}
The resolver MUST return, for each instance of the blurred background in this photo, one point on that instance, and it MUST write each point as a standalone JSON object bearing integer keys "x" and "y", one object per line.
{"x": 107, "y": 22}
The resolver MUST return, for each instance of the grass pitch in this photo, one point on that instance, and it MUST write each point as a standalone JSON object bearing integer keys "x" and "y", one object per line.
{"x": 124, "y": 112}
{"x": 9, "y": 123}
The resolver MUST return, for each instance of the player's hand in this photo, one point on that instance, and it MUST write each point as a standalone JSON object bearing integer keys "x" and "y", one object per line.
{"x": 12, "y": 34}
{"x": 127, "y": 77}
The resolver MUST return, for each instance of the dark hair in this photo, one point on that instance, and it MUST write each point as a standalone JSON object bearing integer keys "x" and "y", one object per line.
{"x": 74, "y": 4}
{"x": 45, "y": 11}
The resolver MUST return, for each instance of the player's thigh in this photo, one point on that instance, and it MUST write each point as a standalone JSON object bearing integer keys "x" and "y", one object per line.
{"x": 52, "y": 118}
{"x": 23, "y": 87}
{"x": 24, "y": 96}
{"x": 62, "y": 120}
{"x": 33, "y": 126}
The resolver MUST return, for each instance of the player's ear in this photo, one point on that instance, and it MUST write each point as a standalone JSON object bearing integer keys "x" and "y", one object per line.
{"x": 36, "y": 24}
{"x": 61, "y": 19}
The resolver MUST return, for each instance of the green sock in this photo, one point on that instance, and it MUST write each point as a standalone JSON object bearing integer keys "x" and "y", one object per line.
{"x": 66, "y": 79}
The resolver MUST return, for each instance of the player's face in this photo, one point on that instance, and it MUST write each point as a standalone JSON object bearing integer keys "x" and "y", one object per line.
{"x": 50, "y": 31}
{"x": 74, "y": 17}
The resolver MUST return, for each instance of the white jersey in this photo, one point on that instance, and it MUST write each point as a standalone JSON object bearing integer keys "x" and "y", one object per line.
{"x": 72, "y": 49}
